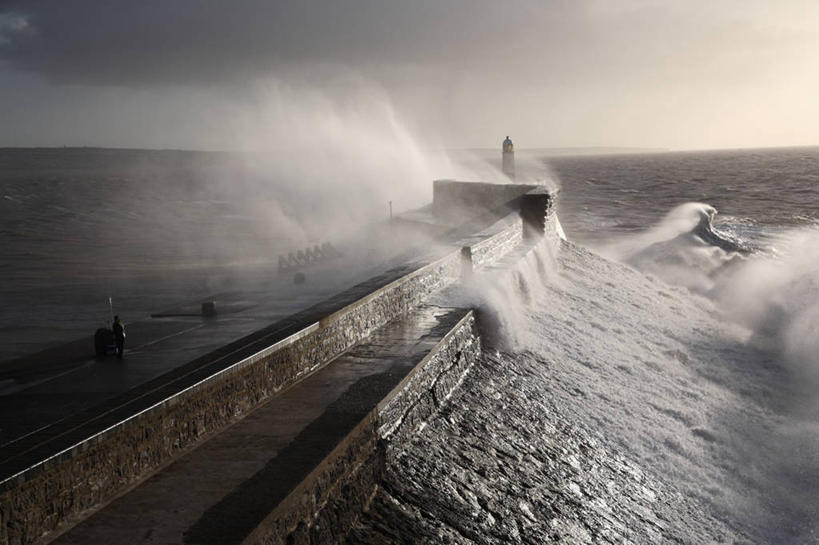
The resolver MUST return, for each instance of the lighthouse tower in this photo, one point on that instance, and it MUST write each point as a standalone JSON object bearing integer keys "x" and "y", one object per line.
{"x": 509, "y": 158}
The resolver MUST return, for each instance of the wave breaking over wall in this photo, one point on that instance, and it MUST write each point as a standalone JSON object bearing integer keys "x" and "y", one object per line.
{"x": 614, "y": 407}
{"x": 581, "y": 401}
{"x": 581, "y": 428}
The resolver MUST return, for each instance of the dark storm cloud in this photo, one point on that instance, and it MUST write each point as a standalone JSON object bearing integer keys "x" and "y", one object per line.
{"x": 156, "y": 41}
{"x": 555, "y": 72}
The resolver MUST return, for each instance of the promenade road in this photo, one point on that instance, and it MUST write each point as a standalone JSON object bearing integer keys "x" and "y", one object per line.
{"x": 47, "y": 388}
{"x": 219, "y": 492}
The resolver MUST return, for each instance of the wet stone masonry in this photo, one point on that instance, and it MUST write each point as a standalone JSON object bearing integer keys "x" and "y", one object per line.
{"x": 503, "y": 463}
{"x": 488, "y": 250}
{"x": 100, "y": 465}
{"x": 341, "y": 330}
{"x": 97, "y": 469}
{"x": 328, "y": 502}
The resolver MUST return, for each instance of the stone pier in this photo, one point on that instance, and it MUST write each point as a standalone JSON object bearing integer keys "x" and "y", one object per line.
{"x": 277, "y": 436}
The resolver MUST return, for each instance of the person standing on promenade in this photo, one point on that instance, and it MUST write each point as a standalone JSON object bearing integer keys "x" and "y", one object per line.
{"x": 119, "y": 336}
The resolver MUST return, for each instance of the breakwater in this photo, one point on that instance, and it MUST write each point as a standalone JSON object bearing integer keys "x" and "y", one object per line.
{"x": 59, "y": 475}
{"x": 541, "y": 443}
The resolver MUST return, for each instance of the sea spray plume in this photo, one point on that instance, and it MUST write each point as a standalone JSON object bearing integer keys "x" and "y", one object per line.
{"x": 338, "y": 159}
{"x": 777, "y": 297}
{"x": 690, "y": 217}
{"x": 306, "y": 167}
{"x": 503, "y": 294}
{"x": 682, "y": 249}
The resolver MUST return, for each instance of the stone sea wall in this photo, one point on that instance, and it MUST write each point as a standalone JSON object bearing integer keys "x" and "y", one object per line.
{"x": 62, "y": 477}
{"x": 98, "y": 467}
{"x": 328, "y": 502}
{"x": 332, "y": 500}
{"x": 485, "y": 248}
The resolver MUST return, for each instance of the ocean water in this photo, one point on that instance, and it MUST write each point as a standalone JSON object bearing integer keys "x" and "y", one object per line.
{"x": 652, "y": 380}
{"x": 730, "y": 413}
{"x": 673, "y": 341}
{"x": 705, "y": 367}
{"x": 766, "y": 189}
{"x": 155, "y": 229}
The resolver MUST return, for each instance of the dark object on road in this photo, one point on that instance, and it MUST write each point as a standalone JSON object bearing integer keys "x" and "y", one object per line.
{"x": 119, "y": 336}
{"x": 208, "y": 309}
{"x": 104, "y": 342}
{"x": 299, "y": 278}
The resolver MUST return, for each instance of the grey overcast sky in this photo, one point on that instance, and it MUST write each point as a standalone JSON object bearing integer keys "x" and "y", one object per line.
{"x": 205, "y": 74}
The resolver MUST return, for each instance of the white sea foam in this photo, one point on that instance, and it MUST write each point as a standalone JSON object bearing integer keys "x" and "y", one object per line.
{"x": 502, "y": 293}
{"x": 761, "y": 459}
{"x": 777, "y": 296}
{"x": 704, "y": 388}
{"x": 683, "y": 248}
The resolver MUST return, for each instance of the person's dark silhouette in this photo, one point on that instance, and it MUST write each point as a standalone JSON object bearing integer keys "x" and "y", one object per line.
{"x": 119, "y": 336}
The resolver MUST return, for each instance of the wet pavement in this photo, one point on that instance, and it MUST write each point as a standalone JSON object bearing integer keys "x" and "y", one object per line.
{"x": 40, "y": 391}
{"x": 220, "y": 491}
{"x": 45, "y": 389}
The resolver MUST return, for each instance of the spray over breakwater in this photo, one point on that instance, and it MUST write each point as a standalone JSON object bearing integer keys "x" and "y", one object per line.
{"x": 641, "y": 375}
{"x": 612, "y": 406}
{"x": 518, "y": 455}
{"x": 769, "y": 294}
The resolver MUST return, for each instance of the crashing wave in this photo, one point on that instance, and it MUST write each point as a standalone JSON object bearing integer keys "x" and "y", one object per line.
{"x": 684, "y": 248}
{"x": 705, "y": 230}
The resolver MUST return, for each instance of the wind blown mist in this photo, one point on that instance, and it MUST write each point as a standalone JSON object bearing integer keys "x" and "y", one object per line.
{"x": 157, "y": 228}
{"x": 687, "y": 353}
{"x": 706, "y": 369}
{"x": 692, "y": 358}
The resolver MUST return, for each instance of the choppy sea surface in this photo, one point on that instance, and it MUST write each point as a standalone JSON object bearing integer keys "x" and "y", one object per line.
{"x": 658, "y": 389}
{"x": 730, "y": 413}
{"x": 765, "y": 188}
{"x": 151, "y": 230}
{"x": 676, "y": 334}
